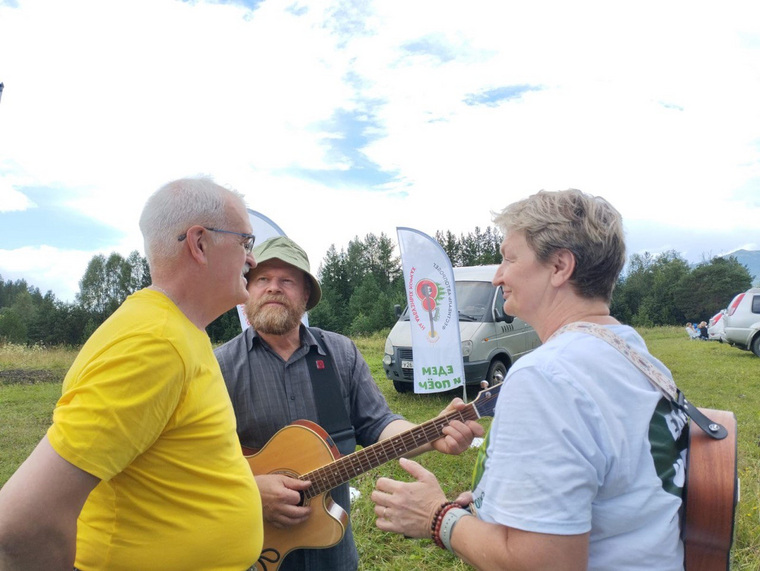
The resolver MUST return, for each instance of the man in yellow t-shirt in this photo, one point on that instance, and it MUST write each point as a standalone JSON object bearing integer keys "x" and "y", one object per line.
{"x": 141, "y": 468}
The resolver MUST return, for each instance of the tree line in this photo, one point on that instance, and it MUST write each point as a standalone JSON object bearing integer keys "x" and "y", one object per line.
{"x": 29, "y": 317}
{"x": 361, "y": 286}
{"x": 666, "y": 290}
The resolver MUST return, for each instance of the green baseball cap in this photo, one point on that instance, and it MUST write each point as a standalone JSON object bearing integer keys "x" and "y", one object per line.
{"x": 286, "y": 250}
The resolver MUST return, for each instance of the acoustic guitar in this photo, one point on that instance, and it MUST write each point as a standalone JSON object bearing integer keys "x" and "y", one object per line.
{"x": 305, "y": 451}
{"x": 711, "y": 494}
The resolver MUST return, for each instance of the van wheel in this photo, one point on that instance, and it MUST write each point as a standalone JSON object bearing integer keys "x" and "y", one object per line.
{"x": 402, "y": 387}
{"x": 497, "y": 367}
{"x": 756, "y": 345}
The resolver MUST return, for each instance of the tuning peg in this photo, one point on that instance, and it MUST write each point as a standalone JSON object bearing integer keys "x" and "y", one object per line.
{"x": 483, "y": 384}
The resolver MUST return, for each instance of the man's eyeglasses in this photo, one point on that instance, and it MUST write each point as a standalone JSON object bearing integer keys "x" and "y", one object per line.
{"x": 248, "y": 241}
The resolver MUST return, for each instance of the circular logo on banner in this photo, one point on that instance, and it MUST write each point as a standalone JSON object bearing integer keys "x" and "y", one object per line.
{"x": 427, "y": 291}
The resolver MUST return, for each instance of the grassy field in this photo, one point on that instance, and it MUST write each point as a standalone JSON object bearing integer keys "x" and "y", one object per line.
{"x": 712, "y": 375}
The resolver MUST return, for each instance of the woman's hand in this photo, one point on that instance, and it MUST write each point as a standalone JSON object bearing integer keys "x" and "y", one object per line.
{"x": 408, "y": 507}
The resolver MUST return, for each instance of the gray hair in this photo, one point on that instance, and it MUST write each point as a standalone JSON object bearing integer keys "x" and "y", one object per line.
{"x": 588, "y": 226}
{"x": 177, "y": 206}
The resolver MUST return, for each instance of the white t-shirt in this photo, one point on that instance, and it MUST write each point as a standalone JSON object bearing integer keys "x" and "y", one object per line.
{"x": 581, "y": 441}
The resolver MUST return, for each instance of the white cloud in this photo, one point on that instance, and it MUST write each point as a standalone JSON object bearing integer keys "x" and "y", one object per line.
{"x": 11, "y": 199}
{"x": 651, "y": 105}
{"x": 54, "y": 270}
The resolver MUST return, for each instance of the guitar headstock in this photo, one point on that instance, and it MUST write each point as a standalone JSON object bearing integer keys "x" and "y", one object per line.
{"x": 485, "y": 402}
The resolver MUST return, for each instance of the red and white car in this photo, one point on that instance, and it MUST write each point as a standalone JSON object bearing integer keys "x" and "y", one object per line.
{"x": 715, "y": 330}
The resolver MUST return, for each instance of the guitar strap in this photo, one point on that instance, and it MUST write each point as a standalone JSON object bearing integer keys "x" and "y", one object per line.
{"x": 666, "y": 385}
{"x": 331, "y": 411}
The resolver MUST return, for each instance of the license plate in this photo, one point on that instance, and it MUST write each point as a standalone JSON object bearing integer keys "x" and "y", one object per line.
{"x": 407, "y": 364}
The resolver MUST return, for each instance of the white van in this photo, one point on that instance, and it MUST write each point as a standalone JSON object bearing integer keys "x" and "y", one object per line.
{"x": 742, "y": 321}
{"x": 491, "y": 340}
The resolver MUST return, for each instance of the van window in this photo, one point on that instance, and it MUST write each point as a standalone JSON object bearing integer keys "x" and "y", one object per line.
{"x": 474, "y": 300}
{"x": 756, "y": 304}
{"x": 498, "y": 305}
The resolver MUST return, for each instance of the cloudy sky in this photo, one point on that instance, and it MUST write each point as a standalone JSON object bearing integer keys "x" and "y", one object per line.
{"x": 342, "y": 118}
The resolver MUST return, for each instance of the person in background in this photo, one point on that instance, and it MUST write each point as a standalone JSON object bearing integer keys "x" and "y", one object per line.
{"x": 268, "y": 378}
{"x": 141, "y": 468}
{"x": 702, "y": 327}
{"x": 692, "y": 330}
{"x": 583, "y": 465}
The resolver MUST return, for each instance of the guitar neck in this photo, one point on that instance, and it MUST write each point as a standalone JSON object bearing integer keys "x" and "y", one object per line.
{"x": 347, "y": 467}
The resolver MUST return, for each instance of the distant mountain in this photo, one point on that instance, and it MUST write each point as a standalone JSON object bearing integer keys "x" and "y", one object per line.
{"x": 751, "y": 259}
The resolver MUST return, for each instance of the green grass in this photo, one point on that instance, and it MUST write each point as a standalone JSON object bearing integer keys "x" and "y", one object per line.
{"x": 712, "y": 375}
{"x": 715, "y": 375}
{"x": 25, "y": 414}
{"x": 37, "y": 357}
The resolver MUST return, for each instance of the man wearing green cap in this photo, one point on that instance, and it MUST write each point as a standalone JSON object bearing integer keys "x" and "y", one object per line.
{"x": 267, "y": 372}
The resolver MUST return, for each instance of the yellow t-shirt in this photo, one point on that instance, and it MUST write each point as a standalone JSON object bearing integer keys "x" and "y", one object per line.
{"x": 145, "y": 409}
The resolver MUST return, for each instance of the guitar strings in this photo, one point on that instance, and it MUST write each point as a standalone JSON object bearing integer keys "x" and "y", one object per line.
{"x": 330, "y": 476}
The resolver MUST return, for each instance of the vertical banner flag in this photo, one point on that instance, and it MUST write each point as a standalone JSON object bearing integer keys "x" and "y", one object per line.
{"x": 433, "y": 314}
{"x": 263, "y": 229}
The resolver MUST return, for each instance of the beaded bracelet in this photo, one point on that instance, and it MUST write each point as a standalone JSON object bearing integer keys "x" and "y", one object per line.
{"x": 435, "y": 525}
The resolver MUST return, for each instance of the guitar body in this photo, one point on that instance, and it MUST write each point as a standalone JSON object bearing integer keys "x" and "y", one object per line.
{"x": 305, "y": 451}
{"x": 712, "y": 490}
{"x": 295, "y": 450}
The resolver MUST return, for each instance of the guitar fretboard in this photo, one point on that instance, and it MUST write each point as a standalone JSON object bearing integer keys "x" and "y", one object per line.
{"x": 347, "y": 467}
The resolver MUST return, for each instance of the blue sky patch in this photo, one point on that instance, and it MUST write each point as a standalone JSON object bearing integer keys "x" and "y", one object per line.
{"x": 351, "y": 131}
{"x": 250, "y": 4}
{"x": 340, "y": 178}
{"x": 435, "y": 46}
{"x": 492, "y": 97}
{"x": 53, "y": 225}
{"x": 671, "y": 106}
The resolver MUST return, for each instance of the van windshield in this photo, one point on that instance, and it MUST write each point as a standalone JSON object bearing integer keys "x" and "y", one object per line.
{"x": 474, "y": 300}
